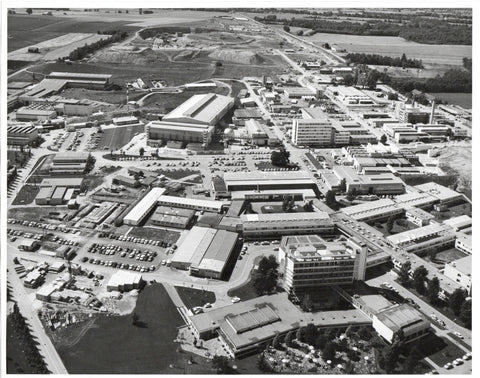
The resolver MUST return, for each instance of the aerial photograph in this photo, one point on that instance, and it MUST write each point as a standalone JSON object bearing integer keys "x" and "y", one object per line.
{"x": 238, "y": 190}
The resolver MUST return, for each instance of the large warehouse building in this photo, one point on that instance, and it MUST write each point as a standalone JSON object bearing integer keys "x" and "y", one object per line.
{"x": 192, "y": 122}
{"x": 202, "y": 109}
{"x": 206, "y": 252}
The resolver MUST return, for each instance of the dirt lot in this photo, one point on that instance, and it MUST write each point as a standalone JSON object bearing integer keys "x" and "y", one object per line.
{"x": 458, "y": 159}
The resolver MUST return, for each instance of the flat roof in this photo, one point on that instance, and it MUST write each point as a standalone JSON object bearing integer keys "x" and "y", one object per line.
{"x": 374, "y": 302}
{"x": 59, "y": 192}
{"x": 463, "y": 265}
{"x": 121, "y": 277}
{"x": 459, "y": 222}
{"x": 219, "y": 251}
{"x": 231, "y": 178}
{"x": 146, "y": 203}
{"x": 247, "y": 113}
{"x": 71, "y": 156}
{"x": 78, "y": 74}
{"x": 438, "y": 191}
{"x": 194, "y": 202}
{"x": 181, "y": 126}
{"x": 418, "y": 233}
{"x": 281, "y": 217}
{"x": 194, "y": 245}
{"x": 401, "y": 317}
{"x": 202, "y": 108}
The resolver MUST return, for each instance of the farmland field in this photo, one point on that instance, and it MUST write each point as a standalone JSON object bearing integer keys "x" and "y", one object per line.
{"x": 58, "y": 47}
{"x": 396, "y": 46}
{"x": 26, "y": 30}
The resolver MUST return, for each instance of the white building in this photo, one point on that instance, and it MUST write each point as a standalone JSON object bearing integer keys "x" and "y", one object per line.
{"x": 460, "y": 271}
{"x": 308, "y": 261}
{"x": 312, "y": 132}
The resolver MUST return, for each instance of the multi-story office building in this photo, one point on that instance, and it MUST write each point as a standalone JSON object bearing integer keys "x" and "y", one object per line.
{"x": 308, "y": 261}
{"x": 312, "y": 132}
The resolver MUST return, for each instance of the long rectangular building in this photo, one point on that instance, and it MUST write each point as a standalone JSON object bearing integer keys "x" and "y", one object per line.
{"x": 142, "y": 208}
{"x": 178, "y": 131}
{"x": 259, "y": 226}
{"x": 235, "y": 181}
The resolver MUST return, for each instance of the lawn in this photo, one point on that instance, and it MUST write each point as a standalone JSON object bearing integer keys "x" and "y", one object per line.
{"x": 194, "y": 297}
{"x": 447, "y": 255}
{"x": 439, "y": 349}
{"x": 155, "y": 234}
{"x": 26, "y": 195}
{"x": 178, "y": 174}
{"x": 115, "y": 346}
{"x": 116, "y": 138}
{"x": 244, "y": 292}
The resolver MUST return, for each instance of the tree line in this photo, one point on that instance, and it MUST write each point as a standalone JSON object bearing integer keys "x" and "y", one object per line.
{"x": 28, "y": 344}
{"x": 384, "y": 60}
{"x": 82, "y": 52}
{"x": 417, "y": 30}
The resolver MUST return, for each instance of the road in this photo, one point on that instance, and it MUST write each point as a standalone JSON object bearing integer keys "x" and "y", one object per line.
{"x": 45, "y": 346}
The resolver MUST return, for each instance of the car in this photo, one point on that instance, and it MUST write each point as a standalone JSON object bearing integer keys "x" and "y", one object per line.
{"x": 458, "y": 361}
{"x": 207, "y": 305}
{"x": 448, "y": 366}
{"x": 235, "y": 299}
{"x": 164, "y": 262}
{"x": 458, "y": 334}
{"x": 467, "y": 357}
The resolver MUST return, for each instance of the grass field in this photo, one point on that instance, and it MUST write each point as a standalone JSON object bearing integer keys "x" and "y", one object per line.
{"x": 119, "y": 137}
{"x": 155, "y": 234}
{"x": 440, "y": 350}
{"x": 24, "y": 30}
{"x": 115, "y": 346}
{"x": 26, "y": 195}
{"x": 194, "y": 297}
{"x": 462, "y": 99}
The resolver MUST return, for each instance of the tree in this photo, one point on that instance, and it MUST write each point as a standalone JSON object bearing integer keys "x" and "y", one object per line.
{"x": 411, "y": 361}
{"x": 280, "y": 158}
{"x": 330, "y": 198}
{"x": 320, "y": 341}
{"x": 390, "y": 355}
{"x": 456, "y": 300}
{"x": 308, "y": 206}
{"x": 349, "y": 80}
{"x": 329, "y": 351}
{"x": 466, "y": 314}
{"x": 383, "y": 139}
{"x": 141, "y": 151}
{"x": 286, "y": 28}
{"x": 311, "y": 333}
{"x": 301, "y": 332}
{"x": 433, "y": 288}
{"x": 118, "y": 222}
{"x": 29, "y": 11}
{"x": 403, "y": 274}
{"x": 372, "y": 77}
{"x": 276, "y": 342}
{"x": 220, "y": 363}
{"x": 343, "y": 186}
{"x": 306, "y": 303}
{"x": 419, "y": 277}
{"x": 265, "y": 278}
{"x": 390, "y": 223}
{"x": 393, "y": 96}
{"x": 289, "y": 339}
